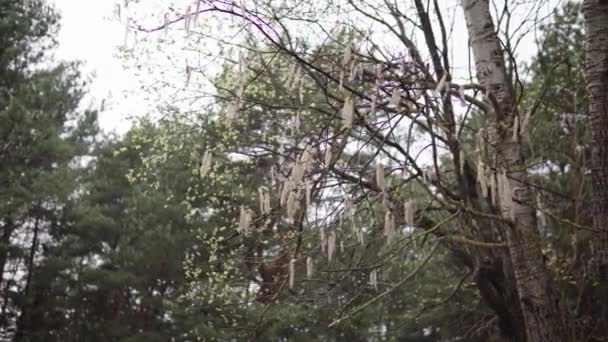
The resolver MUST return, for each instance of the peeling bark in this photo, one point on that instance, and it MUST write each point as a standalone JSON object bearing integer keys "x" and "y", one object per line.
{"x": 596, "y": 19}
{"x": 539, "y": 304}
{"x": 596, "y": 27}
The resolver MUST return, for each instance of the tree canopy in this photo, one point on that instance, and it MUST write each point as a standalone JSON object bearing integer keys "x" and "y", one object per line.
{"x": 323, "y": 172}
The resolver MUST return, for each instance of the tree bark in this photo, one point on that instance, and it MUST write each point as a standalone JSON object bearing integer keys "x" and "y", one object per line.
{"x": 5, "y": 240}
{"x": 23, "y": 322}
{"x": 539, "y": 304}
{"x": 596, "y": 27}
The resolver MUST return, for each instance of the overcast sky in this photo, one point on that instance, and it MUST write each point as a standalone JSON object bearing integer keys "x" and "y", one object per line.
{"x": 91, "y": 32}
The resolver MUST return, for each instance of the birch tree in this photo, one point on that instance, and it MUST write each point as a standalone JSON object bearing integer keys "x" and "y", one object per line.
{"x": 537, "y": 299}
{"x": 596, "y": 25}
{"x": 366, "y": 129}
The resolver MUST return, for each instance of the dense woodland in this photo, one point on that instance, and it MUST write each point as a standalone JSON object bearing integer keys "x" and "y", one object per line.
{"x": 342, "y": 180}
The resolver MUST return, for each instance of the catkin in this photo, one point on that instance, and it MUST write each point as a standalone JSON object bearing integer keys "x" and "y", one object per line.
{"x": 308, "y": 193}
{"x": 309, "y": 267}
{"x": 373, "y": 278}
{"x": 462, "y": 160}
{"x": 187, "y": 21}
{"x": 348, "y": 112}
{"x": 348, "y": 55}
{"x": 482, "y": 178}
{"x": 380, "y": 177}
{"x": 264, "y": 200}
{"x": 244, "y": 221}
{"x": 542, "y": 217}
{"x": 481, "y": 144}
{"x": 389, "y": 226}
{"x": 292, "y": 273}
{"x": 206, "y": 164}
{"x": 292, "y": 205}
{"x": 331, "y": 245}
{"x": 348, "y": 205}
{"x": 409, "y": 212}
{"x": 353, "y": 72}
{"x": 323, "y": 238}
{"x": 327, "y": 160}
{"x": 494, "y": 189}
{"x": 395, "y": 98}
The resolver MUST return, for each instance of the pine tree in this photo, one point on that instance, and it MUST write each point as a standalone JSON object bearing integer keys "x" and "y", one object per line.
{"x": 42, "y": 136}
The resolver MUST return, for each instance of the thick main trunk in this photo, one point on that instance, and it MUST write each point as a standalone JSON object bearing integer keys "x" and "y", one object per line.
{"x": 539, "y": 305}
{"x": 596, "y": 27}
{"x": 497, "y": 287}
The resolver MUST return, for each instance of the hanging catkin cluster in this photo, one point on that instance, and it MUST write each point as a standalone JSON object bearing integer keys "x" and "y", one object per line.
{"x": 292, "y": 273}
{"x": 206, "y": 164}
{"x": 525, "y": 125}
{"x": 244, "y": 220}
{"x": 542, "y": 217}
{"x": 347, "y": 112}
{"x": 347, "y": 56}
{"x": 348, "y": 207}
{"x": 429, "y": 174}
{"x": 409, "y": 212}
{"x": 348, "y": 60}
{"x": 494, "y": 188}
{"x": 389, "y": 226}
{"x": 480, "y": 141}
{"x": 328, "y": 156}
{"x": 296, "y": 124}
{"x": 331, "y": 246}
{"x": 166, "y": 24}
{"x": 231, "y": 112}
{"x": 264, "y": 195}
{"x": 356, "y": 72}
{"x": 188, "y": 74}
{"x": 483, "y": 179}
{"x": 373, "y": 278}
{"x": 235, "y": 105}
{"x": 294, "y": 77}
{"x": 360, "y": 237}
{"x": 308, "y": 189}
{"x": 292, "y": 204}
{"x": 292, "y": 187}
{"x": 309, "y": 267}
{"x": 380, "y": 177}
{"x": 323, "y": 239}
{"x": 188, "y": 19}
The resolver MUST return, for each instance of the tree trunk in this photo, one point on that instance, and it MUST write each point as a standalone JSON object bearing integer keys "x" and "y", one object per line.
{"x": 497, "y": 288}
{"x": 539, "y": 304}
{"x": 5, "y": 240}
{"x": 23, "y": 322}
{"x": 596, "y": 68}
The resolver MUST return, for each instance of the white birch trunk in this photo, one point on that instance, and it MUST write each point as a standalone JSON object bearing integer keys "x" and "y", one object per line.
{"x": 596, "y": 24}
{"x": 596, "y": 68}
{"x": 539, "y": 304}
